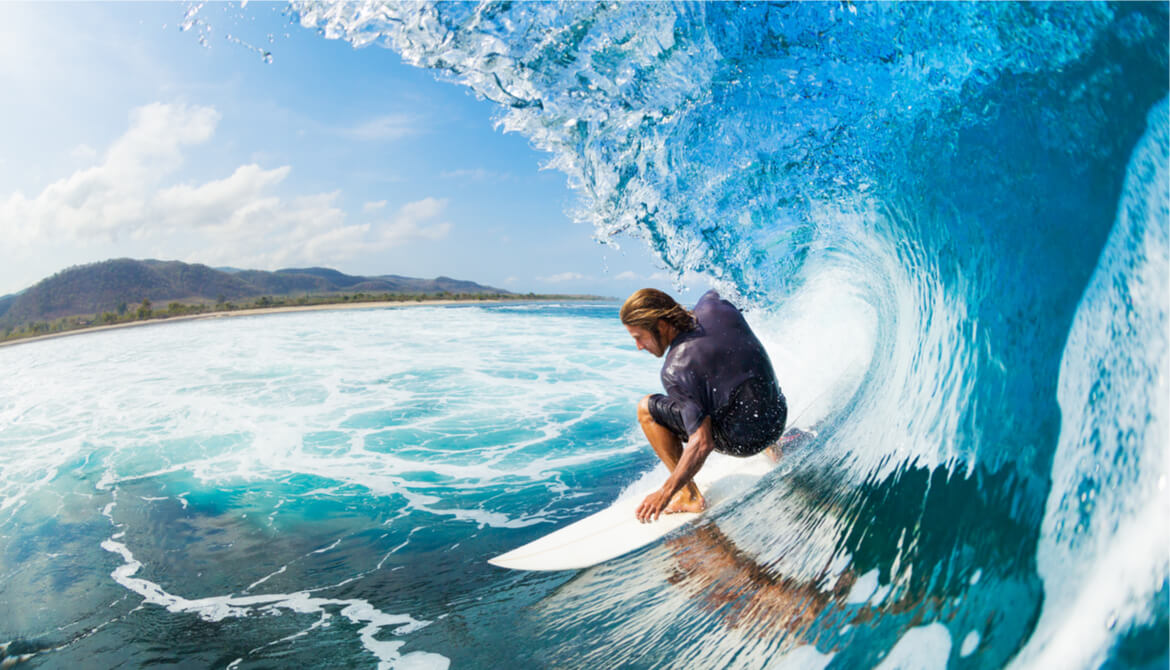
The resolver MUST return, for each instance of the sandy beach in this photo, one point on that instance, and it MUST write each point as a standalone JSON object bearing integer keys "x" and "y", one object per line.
{"x": 259, "y": 311}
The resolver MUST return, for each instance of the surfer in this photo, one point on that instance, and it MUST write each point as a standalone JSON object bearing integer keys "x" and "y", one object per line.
{"x": 721, "y": 392}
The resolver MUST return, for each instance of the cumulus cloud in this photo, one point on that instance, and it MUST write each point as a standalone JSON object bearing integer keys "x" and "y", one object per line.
{"x": 415, "y": 221}
{"x": 563, "y": 277}
{"x": 113, "y": 197}
{"x": 314, "y": 231}
{"x": 628, "y": 275}
{"x": 222, "y": 203}
{"x": 131, "y": 192}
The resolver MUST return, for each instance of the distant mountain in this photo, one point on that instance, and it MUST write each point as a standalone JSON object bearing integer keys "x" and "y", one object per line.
{"x": 106, "y": 286}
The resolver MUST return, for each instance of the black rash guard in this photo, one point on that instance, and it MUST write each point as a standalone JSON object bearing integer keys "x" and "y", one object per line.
{"x": 721, "y": 370}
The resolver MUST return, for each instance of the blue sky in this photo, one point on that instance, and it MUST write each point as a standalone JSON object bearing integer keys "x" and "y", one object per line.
{"x": 125, "y": 136}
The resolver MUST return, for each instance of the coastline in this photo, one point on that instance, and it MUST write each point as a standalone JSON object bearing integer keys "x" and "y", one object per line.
{"x": 259, "y": 311}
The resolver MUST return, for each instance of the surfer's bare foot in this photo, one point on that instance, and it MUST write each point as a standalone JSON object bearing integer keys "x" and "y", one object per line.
{"x": 684, "y": 502}
{"x": 774, "y": 452}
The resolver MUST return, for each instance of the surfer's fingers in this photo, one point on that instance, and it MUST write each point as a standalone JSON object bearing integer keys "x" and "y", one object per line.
{"x": 650, "y": 509}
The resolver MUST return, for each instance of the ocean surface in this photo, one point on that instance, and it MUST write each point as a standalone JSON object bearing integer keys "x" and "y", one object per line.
{"x": 950, "y": 225}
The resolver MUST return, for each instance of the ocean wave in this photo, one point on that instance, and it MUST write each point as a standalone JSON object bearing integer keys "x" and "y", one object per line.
{"x": 935, "y": 180}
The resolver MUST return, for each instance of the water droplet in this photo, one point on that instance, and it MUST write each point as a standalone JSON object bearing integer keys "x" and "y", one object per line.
{"x": 1111, "y": 622}
{"x": 268, "y": 57}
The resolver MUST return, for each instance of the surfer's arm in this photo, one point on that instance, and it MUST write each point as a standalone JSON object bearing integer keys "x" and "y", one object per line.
{"x": 698, "y": 447}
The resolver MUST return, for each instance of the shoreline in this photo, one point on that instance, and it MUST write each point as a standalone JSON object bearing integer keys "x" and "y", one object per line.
{"x": 263, "y": 311}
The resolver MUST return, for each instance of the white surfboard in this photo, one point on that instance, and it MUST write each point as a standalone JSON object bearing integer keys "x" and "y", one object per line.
{"x": 615, "y": 530}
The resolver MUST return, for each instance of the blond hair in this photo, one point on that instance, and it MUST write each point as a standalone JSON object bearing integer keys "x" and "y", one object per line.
{"x": 646, "y": 306}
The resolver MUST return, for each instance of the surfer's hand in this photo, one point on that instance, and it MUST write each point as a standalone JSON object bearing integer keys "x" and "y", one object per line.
{"x": 651, "y": 508}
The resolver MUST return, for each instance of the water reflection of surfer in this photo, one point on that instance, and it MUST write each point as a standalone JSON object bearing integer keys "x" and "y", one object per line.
{"x": 914, "y": 546}
{"x": 745, "y": 593}
{"x": 721, "y": 392}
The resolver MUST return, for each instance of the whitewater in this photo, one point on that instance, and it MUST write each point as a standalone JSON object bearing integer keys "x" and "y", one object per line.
{"x": 950, "y": 226}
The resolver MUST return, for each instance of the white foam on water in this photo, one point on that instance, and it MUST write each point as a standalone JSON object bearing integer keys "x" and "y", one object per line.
{"x": 258, "y": 582}
{"x": 820, "y": 343}
{"x": 922, "y": 648}
{"x": 218, "y": 608}
{"x": 970, "y": 644}
{"x": 322, "y": 550}
{"x": 864, "y": 588}
{"x": 370, "y": 398}
{"x": 804, "y": 657}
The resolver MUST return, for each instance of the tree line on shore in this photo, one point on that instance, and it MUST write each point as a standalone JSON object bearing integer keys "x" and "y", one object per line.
{"x": 146, "y": 311}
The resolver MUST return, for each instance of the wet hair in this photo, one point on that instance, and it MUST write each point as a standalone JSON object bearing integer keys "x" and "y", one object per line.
{"x": 646, "y": 306}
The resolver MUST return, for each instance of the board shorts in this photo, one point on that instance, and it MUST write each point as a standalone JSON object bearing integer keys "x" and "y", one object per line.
{"x": 751, "y": 422}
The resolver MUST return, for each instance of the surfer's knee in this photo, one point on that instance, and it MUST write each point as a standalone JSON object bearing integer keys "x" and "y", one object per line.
{"x": 644, "y": 415}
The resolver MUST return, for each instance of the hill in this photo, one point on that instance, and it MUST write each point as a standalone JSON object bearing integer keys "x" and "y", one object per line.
{"x": 121, "y": 284}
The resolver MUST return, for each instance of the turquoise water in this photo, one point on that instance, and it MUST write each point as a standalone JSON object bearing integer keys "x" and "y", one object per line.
{"x": 289, "y": 488}
{"x": 951, "y": 227}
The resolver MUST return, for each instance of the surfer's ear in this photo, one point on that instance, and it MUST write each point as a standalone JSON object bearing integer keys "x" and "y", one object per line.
{"x": 662, "y": 333}
{"x": 659, "y": 328}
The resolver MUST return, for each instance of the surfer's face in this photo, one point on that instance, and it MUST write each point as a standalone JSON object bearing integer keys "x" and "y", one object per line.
{"x": 647, "y": 340}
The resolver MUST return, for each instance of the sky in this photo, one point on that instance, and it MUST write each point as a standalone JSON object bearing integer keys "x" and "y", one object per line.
{"x": 125, "y": 135}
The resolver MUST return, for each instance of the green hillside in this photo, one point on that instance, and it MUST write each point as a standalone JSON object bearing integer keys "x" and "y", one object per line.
{"x": 121, "y": 285}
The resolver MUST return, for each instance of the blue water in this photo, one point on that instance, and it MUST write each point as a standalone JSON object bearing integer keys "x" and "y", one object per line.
{"x": 949, "y": 223}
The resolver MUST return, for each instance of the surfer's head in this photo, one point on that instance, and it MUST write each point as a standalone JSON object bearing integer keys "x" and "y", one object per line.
{"x": 654, "y": 318}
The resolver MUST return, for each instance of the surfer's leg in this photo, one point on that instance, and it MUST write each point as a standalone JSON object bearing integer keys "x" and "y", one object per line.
{"x": 668, "y": 446}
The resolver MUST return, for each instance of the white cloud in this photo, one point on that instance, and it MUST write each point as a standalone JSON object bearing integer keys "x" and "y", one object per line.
{"x": 268, "y": 233}
{"x": 628, "y": 275}
{"x": 222, "y": 203}
{"x": 385, "y": 128}
{"x": 238, "y": 220}
{"x": 414, "y": 221}
{"x": 563, "y": 277}
{"x": 312, "y": 230}
{"x": 112, "y": 198}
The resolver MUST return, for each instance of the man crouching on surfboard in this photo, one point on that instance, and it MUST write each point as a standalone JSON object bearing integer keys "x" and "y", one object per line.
{"x": 721, "y": 392}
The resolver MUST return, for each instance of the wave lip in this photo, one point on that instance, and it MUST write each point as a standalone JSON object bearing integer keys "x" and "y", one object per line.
{"x": 708, "y": 130}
